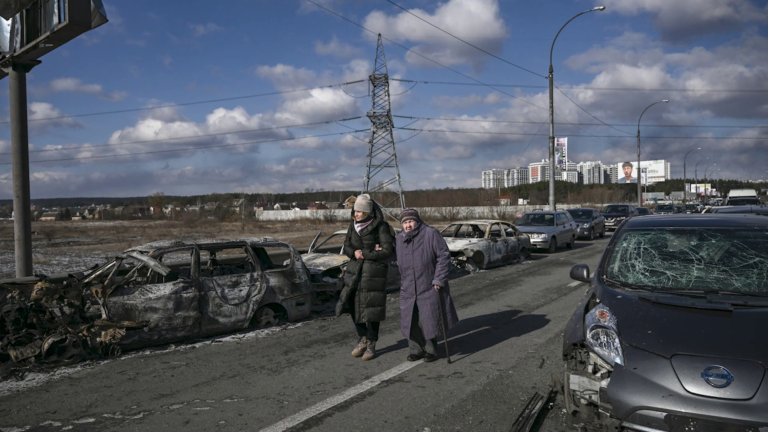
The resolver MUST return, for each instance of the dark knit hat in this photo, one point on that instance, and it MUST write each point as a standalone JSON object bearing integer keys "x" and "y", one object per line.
{"x": 409, "y": 213}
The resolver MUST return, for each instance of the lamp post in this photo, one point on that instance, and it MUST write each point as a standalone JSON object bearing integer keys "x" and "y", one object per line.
{"x": 639, "y": 194}
{"x": 705, "y": 179}
{"x": 696, "y": 173}
{"x": 552, "y": 206}
{"x": 685, "y": 192}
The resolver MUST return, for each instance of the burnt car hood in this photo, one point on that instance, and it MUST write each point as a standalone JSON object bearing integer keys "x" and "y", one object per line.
{"x": 670, "y": 330}
{"x": 324, "y": 261}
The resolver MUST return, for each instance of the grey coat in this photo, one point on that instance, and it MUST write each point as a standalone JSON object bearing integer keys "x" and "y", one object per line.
{"x": 424, "y": 261}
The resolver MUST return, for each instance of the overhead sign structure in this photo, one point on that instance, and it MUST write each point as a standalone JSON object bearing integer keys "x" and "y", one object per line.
{"x": 656, "y": 171}
{"x": 30, "y": 29}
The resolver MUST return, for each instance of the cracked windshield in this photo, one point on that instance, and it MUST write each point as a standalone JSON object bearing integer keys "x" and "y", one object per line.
{"x": 692, "y": 259}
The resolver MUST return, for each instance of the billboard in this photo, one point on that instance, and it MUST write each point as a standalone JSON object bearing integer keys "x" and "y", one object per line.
{"x": 699, "y": 188}
{"x": 655, "y": 171}
{"x": 561, "y": 154}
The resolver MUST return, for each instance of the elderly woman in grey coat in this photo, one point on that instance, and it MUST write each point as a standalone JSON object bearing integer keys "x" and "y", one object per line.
{"x": 424, "y": 261}
{"x": 369, "y": 246}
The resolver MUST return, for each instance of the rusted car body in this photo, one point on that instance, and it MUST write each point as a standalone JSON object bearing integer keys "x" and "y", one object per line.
{"x": 326, "y": 263}
{"x": 154, "y": 294}
{"x": 482, "y": 244}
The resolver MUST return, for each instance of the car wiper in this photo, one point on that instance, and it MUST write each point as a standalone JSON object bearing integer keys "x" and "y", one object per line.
{"x": 628, "y": 285}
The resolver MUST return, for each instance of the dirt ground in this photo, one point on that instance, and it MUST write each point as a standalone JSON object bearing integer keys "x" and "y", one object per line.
{"x": 59, "y": 247}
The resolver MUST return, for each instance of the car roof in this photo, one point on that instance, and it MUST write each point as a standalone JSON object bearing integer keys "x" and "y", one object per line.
{"x": 582, "y": 208}
{"x": 545, "y": 212}
{"x": 708, "y": 220}
{"x": 172, "y": 244}
{"x": 479, "y": 221}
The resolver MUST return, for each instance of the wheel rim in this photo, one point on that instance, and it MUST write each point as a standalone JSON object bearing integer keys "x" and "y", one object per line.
{"x": 266, "y": 317}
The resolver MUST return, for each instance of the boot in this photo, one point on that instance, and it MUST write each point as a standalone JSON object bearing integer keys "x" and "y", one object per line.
{"x": 360, "y": 348}
{"x": 370, "y": 351}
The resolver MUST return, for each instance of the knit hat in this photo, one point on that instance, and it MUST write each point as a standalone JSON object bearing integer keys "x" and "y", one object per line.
{"x": 364, "y": 204}
{"x": 409, "y": 214}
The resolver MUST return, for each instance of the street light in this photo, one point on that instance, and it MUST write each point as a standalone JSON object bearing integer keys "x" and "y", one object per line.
{"x": 639, "y": 177}
{"x": 552, "y": 113}
{"x": 696, "y": 173}
{"x": 685, "y": 192}
{"x": 705, "y": 185}
{"x": 705, "y": 179}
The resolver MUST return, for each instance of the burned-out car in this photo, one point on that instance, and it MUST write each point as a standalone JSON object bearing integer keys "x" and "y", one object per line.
{"x": 326, "y": 262}
{"x": 153, "y": 294}
{"x": 668, "y": 335}
{"x": 482, "y": 244}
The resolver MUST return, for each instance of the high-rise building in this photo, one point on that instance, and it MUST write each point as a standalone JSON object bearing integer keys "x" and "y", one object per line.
{"x": 493, "y": 178}
{"x": 539, "y": 171}
{"x": 569, "y": 176}
{"x": 667, "y": 171}
{"x": 612, "y": 172}
{"x": 591, "y": 172}
{"x": 517, "y": 176}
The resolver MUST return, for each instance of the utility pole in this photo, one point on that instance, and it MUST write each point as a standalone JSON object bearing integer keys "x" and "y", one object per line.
{"x": 242, "y": 214}
{"x": 381, "y": 145}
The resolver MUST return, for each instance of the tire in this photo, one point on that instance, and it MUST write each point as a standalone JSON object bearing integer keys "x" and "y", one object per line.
{"x": 591, "y": 233}
{"x": 525, "y": 253}
{"x": 552, "y": 245}
{"x": 570, "y": 244}
{"x": 265, "y": 317}
{"x": 602, "y": 234}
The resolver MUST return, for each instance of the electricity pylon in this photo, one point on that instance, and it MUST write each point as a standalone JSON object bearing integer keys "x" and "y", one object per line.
{"x": 382, "y": 158}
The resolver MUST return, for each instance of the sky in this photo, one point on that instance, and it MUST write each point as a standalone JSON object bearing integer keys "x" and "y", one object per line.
{"x": 250, "y": 95}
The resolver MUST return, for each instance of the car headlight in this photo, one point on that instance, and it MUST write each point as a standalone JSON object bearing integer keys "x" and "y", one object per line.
{"x": 602, "y": 335}
{"x": 586, "y": 225}
{"x": 537, "y": 235}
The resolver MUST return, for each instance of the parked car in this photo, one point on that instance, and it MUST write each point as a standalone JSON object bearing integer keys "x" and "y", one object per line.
{"x": 484, "y": 244}
{"x": 549, "y": 229}
{"x": 691, "y": 208}
{"x": 590, "y": 222}
{"x": 665, "y": 209}
{"x": 326, "y": 262}
{"x": 616, "y": 213}
{"x": 644, "y": 211}
{"x": 680, "y": 209}
{"x": 152, "y": 294}
{"x": 665, "y": 338}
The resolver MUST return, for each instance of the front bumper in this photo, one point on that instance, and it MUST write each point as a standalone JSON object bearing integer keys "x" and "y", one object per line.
{"x": 584, "y": 232}
{"x": 540, "y": 243}
{"x": 646, "y": 395}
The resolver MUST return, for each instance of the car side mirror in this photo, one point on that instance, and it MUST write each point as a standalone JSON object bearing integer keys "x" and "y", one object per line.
{"x": 580, "y": 272}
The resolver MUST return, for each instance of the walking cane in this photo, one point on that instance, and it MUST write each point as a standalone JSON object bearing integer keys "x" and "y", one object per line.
{"x": 442, "y": 324}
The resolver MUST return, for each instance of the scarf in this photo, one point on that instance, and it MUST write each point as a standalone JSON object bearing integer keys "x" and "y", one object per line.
{"x": 363, "y": 223}
{"x": 409, "y": 235}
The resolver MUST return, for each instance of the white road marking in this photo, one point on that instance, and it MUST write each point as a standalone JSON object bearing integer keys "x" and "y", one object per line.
{"x": 341, "y": 397}
{"x": 574, "y": 283}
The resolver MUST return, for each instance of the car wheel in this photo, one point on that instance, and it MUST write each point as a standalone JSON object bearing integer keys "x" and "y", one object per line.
{"x": 602, "y": 233}
{"x": 552, "y": 245}
{"x": 570, "y": 244}
{"x": 591, "y": 233}
{"x": 265, "y": 317}
{"x": 525, "y": 253}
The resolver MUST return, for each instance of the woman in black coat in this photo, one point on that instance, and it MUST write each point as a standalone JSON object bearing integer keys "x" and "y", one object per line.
{"x": 369, "y": 245}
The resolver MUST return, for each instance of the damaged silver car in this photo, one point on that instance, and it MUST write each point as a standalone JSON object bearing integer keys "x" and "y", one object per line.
{"x": 482, "y": 244}
{"x": 152, "y": 294}
{"x": 326, "y": 262}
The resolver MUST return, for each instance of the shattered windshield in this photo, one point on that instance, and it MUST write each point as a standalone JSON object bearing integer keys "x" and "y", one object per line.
{"x": 541, "y": 219}
{"x": 716, "y": 259}
{"x": 581, "y": 213}
{"x": 617, "y": 209}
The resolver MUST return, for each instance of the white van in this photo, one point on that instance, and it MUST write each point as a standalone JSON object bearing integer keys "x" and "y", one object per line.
{"x": 742, "y": 197}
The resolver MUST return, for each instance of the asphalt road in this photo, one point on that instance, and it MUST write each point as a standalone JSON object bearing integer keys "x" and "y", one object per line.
{"x": 506, "y": 347}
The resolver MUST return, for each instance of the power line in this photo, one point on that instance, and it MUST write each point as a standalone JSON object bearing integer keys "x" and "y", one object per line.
{"x": 589, "y": 113}
{"x": 462, "y": 40}
{"x": 189, "y": 103}
{"x": 580, "y": 124}
{"x": 191, "y": 148}
{"x": 186, "y": 137}
{"x": 589, "y": 136}
{"x": 420, "y": 55}
{"x": 532, "y": 86}
{"x": 531, "y": 140}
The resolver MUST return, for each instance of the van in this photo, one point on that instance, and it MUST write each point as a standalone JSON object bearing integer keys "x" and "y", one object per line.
{"x": 742, "y": 197}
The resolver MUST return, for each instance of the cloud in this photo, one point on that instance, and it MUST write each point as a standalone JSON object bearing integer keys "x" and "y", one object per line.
{"x": 682, "y": 20}
{"x": 336, "y": 48}
{"x": 302, "y": 166}
{"x": 204, "y": 29}
{"x": 476, "y": 21}
{"x": 467, "y": 101}
{"x": 167, "y": 60}
{"x": 76, "y": 86}
{"x": 38, "y": 112}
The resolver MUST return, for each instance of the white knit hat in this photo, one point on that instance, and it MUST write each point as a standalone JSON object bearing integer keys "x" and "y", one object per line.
{"x": 363, "y": 203}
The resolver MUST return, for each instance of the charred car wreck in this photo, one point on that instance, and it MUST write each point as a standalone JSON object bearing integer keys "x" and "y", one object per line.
{"x": 152, "y": 294}
{"x": 481, "y": 244}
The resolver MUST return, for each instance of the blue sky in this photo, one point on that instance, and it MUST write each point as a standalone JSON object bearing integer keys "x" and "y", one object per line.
{"x": 172, "y": 52}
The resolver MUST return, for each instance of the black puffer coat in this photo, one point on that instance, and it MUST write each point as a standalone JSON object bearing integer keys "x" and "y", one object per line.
{"x": 367, "y": 278}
